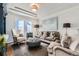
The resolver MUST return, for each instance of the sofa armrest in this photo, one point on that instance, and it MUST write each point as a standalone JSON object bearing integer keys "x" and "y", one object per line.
{"x": 65, "y": 50}
{"x": 50, "y": 47}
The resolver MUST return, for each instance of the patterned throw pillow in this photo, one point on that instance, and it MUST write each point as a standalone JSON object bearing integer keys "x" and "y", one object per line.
{"x": 67, "y": 42}
{"x": 20, "y": 35}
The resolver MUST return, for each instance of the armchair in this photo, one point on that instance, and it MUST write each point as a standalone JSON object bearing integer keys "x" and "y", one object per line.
{"x": 18, "y": 37}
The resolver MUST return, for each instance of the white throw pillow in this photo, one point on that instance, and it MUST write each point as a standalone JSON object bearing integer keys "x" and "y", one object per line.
{"x": 74, "y": 45}
{"x": 62, "y": 39}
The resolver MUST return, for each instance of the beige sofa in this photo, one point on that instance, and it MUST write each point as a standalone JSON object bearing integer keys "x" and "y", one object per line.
{"x": 55, "y": 49}
{"x": 51, "y": 46}
{"x": 60, "y": 51}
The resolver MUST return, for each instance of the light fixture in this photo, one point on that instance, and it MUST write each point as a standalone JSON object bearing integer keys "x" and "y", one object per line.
{"x": 66, "y": 25}
{"x": 34, "y": 6}
{"x": 37, "y": 28}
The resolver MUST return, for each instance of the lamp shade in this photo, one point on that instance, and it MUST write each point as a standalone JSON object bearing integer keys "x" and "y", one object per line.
{"x": 36, "y": 26}
{"x": 66, "y": 25}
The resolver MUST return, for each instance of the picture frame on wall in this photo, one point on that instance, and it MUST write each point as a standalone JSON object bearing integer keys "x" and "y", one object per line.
{"x": 50, "y": 24}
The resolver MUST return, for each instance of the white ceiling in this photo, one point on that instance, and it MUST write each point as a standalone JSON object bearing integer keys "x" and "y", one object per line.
{"x": 45, "y": 8}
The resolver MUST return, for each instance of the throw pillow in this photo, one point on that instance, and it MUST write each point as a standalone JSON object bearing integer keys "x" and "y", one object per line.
{"x": 20, "y": 35}
{"x": 67, "y": 42}
{"x": 62, "y": 39}
{"x": 74, "y": 45}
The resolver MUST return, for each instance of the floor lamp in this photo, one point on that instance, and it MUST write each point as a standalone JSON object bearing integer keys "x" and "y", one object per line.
{"x": 66, "y": 25}
{"x": 37, "y": 27}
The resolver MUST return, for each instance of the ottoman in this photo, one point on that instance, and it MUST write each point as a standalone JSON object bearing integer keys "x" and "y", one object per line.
{"x": 33, "y": 42}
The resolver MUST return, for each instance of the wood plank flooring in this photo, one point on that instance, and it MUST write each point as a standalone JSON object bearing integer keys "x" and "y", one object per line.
{"x": 23, "y": 50}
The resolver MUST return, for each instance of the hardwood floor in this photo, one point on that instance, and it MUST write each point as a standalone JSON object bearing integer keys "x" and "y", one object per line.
{"x": 23, "y": 50}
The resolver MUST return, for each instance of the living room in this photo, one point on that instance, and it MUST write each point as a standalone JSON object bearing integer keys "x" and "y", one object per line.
{"x": 39, "y": 29}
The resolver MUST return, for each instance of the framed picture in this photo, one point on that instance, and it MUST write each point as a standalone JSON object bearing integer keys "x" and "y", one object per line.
{"x": 50, "y": 24}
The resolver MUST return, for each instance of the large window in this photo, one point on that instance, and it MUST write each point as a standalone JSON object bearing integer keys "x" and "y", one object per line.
{"x": 24, "y": 25}
{"x": 29, "y": 26}
{"x": 20, "y": 25}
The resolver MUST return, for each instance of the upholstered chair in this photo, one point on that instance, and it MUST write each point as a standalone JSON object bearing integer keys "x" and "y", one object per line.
{"x": 18, "y": 37}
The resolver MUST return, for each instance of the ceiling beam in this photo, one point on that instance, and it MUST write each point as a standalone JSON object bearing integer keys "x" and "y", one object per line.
{"x": 25, "y": 11}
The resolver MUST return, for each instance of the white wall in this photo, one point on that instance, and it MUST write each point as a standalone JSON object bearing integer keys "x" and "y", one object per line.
{"x": 11, "y": 23}
{"x": 71, "y": 16}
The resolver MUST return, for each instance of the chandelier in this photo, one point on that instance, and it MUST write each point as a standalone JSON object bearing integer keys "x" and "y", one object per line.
{"x": 35, "y": 7}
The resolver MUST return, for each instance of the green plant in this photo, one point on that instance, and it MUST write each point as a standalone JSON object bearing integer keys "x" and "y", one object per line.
{"x": 2, "y": 44}
{"x": 2, "y": 41}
